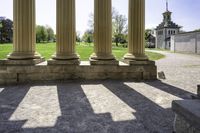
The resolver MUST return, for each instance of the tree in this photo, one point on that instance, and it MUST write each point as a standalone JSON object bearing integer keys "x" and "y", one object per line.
{"x": 197, "y": 30}
{"x": 78, "y": 37}
{"x": 91, "y": 19}
{"x": 6, "y": 30}
{"x": 41, "y": 34}
{"x": 50, "y": 34}
{"x": 119, "y": 27}
{"x": 147, "y": 33}
{"x": 88, "y": 36}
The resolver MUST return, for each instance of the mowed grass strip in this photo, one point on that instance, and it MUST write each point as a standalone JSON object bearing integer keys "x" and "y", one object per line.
{"x": 48, "y": 49}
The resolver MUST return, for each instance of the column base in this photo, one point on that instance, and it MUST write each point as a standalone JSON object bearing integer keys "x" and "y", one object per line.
{"x": 63, "y": 62}
{"x": 66, "y": 57}
{"x": 103, "y": 59}
{"x": 137, "y": 57}
{"x": 95, "y": 56}
{"x": 26, "y": 62}
{"x": 23, "y": 56}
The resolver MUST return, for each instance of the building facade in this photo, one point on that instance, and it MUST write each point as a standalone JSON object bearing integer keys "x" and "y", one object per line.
{"x": 165, "y": 30}
{"x": 186, "y": 42}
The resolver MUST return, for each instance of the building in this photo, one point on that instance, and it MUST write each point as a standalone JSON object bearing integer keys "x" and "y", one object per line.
{"x": 165, "y": 30}
{"x": 150, "y": 41}
{"x": 186, "y": 42}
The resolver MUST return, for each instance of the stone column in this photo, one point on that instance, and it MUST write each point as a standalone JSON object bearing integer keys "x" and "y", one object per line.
{"x": 66, "y": 33}
{"x": 136, "y": 31}
{"x": 24, "y": 32}
{"x": 102, "y": 32}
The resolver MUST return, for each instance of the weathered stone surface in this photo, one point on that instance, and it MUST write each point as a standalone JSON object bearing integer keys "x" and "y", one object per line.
{"x": 104, "y": 62}
{"x": 65, "y": 72}
{"x": 189, "y": 112}
{"x": 63, "y": 62}
{"x": 198, "y": 91}
{"x": 182, "y": 126}
{"x": 134, "y": 62}
{"x": 8, "y": 62}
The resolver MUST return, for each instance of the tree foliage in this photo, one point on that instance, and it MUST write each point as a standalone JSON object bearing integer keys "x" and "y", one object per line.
{"x": 50, "y": 34}
{"x": 88, "y": 36}
{"x": 197, "y": 30}
{"x": 78, "y": 37}
{"x": 6, "y": 30}
{"x": 119, "y": 28}
{"x": 44, "y": 34}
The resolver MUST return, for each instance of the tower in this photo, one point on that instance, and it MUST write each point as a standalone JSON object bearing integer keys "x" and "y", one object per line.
{"x": 165, "y": 30}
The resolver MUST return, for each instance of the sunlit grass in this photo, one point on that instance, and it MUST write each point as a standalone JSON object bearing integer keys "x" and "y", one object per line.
{"x": 84, "y": 50}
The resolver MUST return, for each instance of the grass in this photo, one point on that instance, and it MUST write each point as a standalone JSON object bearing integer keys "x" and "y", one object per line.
{"x": 48, "y": 49}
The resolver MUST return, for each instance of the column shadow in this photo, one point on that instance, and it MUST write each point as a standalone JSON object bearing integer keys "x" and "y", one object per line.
{"x": 154, "y": 118}
{"x": 171, "y": 89}
{"x": 10, "y": 98}
{"x": 78, "y": 116}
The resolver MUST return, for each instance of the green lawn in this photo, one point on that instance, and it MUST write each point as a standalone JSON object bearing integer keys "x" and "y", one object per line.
{"x": 48, "y": 49}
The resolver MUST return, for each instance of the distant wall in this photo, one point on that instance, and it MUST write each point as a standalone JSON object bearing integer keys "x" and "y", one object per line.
{"x": 188, "y": 42}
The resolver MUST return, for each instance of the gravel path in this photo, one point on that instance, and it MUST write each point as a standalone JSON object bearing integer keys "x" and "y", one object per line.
{"x": 101, "y": 106}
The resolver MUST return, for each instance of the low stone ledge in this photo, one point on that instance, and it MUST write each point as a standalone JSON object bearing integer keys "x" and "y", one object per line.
{"x": 67, "y": 72}
{"x": 187, "y": 116}
{"x": 8, "y": 81}
{"x": 28, "y": 62}
{"x": 104, "y": 62}
{"x": 63, "y": 62}
{"x": 134, "y": 62}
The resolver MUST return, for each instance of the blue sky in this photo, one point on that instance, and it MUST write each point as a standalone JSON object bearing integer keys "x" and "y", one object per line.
{"x": 185, "y": 12}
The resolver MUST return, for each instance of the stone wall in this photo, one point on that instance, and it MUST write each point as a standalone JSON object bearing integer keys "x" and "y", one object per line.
{"x": 42, "y": 72}
{"x": 188, "y": 42}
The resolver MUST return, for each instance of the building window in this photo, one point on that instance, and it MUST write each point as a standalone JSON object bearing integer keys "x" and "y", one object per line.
{"x": 160, "y": 32}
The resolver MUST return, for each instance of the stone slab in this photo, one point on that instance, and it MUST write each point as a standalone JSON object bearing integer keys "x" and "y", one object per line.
{"x": 30, "y": 62}
{"x": 182, "y": 126}
{"x": 189, "y": 110}
{"x": 134, "y": 62}
{"x": 104, "y": 62}
{"x": 63, "y": 62}
{"x": 198, "y": 91}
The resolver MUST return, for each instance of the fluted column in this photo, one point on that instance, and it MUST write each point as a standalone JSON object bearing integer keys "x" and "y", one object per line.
{"x": 102, "y": 30}
{"x": 136, "y": 30}
{"x": 66, "y": 30}
{"x": 24, "y": 30}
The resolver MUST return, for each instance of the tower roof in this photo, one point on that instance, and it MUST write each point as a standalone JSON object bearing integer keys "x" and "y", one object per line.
{"x": 167, "y": 22}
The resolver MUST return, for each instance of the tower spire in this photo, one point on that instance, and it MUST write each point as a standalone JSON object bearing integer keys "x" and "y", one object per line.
{"x": 166, "y": 5}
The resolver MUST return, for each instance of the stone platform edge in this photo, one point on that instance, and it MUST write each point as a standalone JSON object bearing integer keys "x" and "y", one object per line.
{"x": 187, "y": 119}
{"x": 86, "y": 71}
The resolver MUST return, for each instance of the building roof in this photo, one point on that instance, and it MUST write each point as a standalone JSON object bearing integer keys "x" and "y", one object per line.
{"x": 167, "y": 21}
{"x": 169, "y": 24}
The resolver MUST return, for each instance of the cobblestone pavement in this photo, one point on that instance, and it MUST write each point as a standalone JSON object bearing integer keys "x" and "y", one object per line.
{"x": 101, "y": 106}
